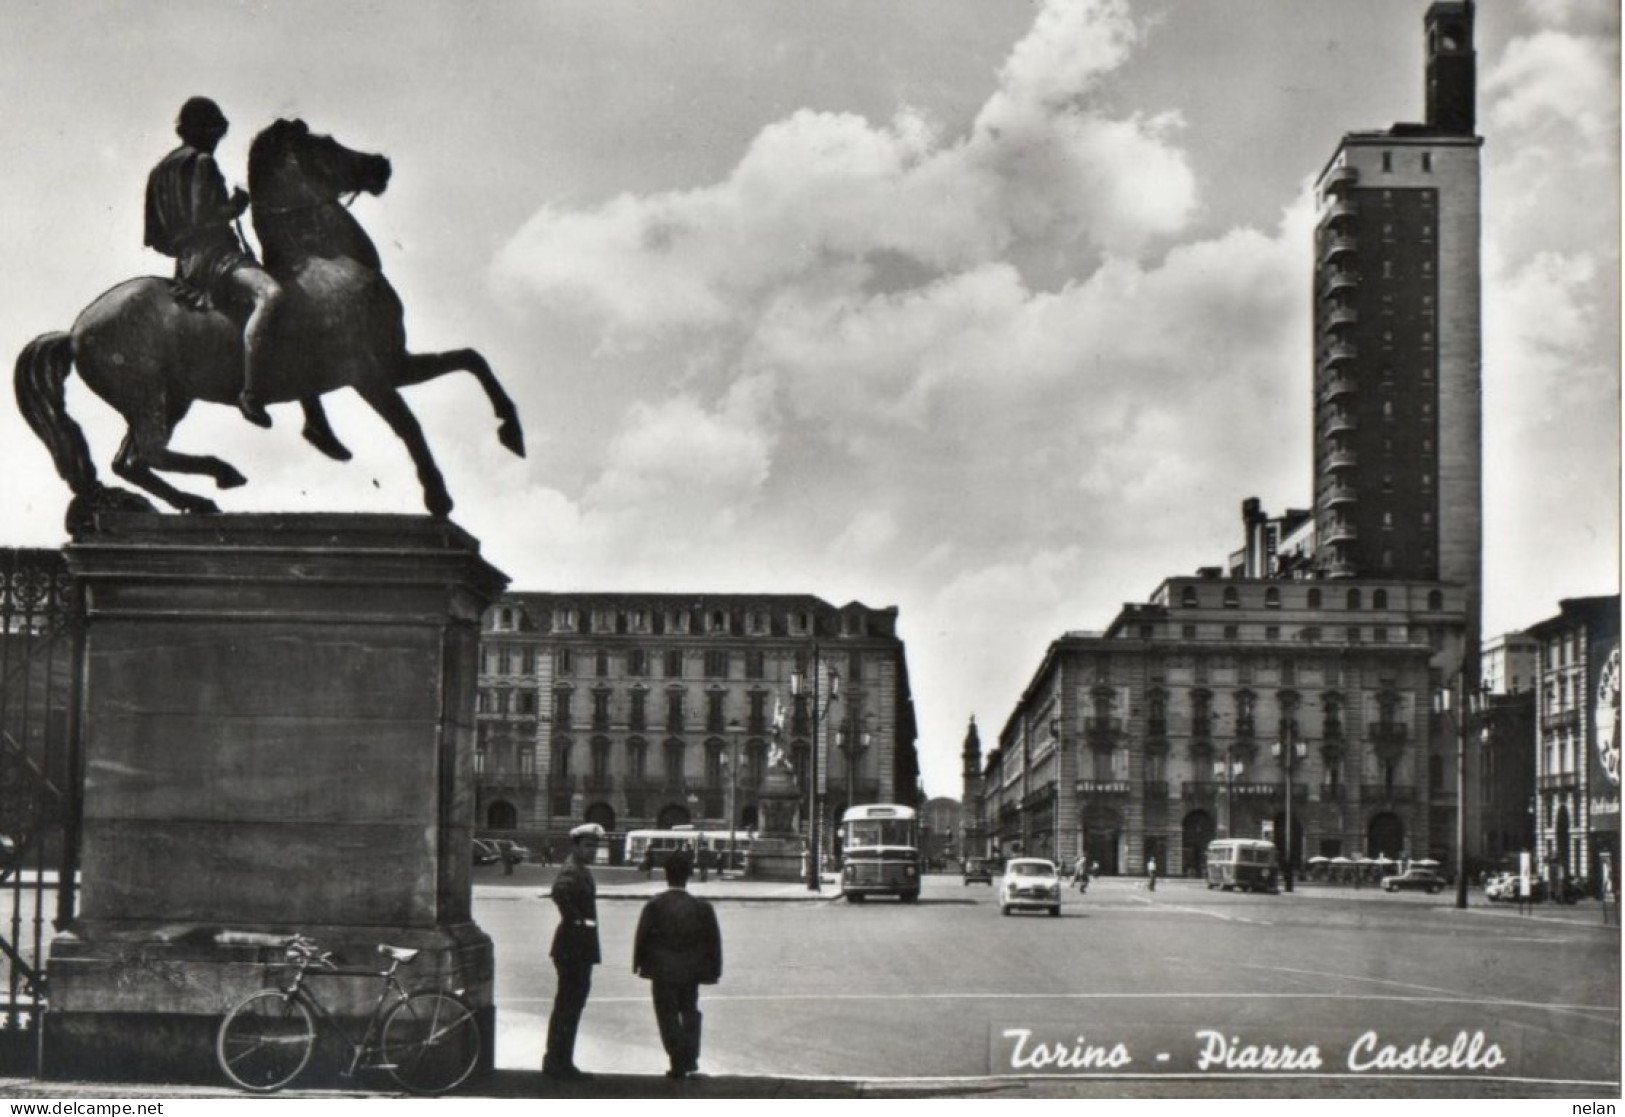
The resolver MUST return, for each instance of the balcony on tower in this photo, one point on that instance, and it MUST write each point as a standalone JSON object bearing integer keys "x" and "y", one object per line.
{"x": 1340, "y": 179}
{"x": 1342, "y": 212}
{"x": 1339, "y": 530}
{"x": 1338, "y": 248}
{"x": 1338, "y": 353}
{"x": 1342, "y": 316}
{"x": 1336, "y": 384}
{"x": 1337, "y": 420}
{"x": 1339, "y": 281}
{"x": 1339, "y": 457}
{"x": 1338, "y": 494}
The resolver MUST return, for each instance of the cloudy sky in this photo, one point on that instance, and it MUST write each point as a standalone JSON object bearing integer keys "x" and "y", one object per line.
{"x": 991, "y": 310}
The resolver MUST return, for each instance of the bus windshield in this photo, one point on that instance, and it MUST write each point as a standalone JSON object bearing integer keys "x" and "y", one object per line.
{"x": 870, "y": 832}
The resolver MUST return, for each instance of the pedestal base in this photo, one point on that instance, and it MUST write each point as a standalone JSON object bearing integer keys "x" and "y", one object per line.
{"x": 278, "y": 737}
{"x": 144, "y": 1003}
{"x": 777, "y": 859}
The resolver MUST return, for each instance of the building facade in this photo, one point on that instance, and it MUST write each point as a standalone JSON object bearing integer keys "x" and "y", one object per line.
{"x": 1188, "y": 717}
{"x": 1578, "y": 738}
{"x": 642, "y": 711}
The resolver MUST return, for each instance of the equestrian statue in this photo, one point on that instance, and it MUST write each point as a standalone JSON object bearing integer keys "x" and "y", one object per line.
{"x": 318, "y": 316}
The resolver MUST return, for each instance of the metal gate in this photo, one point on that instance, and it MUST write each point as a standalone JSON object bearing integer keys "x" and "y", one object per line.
{"x": 41, "y": 628}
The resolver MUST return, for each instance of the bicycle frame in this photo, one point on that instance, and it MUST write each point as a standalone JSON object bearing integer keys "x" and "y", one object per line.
{"x": 369, "y": 1042}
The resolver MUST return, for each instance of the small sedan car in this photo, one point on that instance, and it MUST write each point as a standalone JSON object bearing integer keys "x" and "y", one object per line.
{"x": 1425, "y": 880}
{"x": 485, "y": 853}
{"x": 1030, "y": 882}
{"x": 978, "y": 871}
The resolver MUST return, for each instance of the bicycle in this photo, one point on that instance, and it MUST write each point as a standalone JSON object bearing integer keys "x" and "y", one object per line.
{"x": 428, "y": 1041}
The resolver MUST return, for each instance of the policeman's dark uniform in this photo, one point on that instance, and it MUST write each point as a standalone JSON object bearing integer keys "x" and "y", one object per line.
{"x": 575, "y": 953}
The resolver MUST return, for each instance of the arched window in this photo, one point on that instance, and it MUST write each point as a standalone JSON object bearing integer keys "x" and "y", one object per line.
{"x": 1354, "y": 601}
{"x": 1187, "y": 598}
{"x": 1379, "y": 599}
{"x": 1435, "y": 600}
{"x": 1272, "y": 598}
{"x": 1314, "y": 598}
{"x": 1232, "y": 598}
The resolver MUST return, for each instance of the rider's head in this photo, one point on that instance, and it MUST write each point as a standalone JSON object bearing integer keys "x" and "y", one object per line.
{"x": 201, "y": 123}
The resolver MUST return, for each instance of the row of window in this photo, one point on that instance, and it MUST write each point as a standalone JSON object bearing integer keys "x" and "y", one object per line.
{"x": 676, "y": 621}
{"x": 1190, "y": 597}
{"x": 501, "y": 659}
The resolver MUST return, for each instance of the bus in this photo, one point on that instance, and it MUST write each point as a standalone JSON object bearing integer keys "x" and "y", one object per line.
{"x": 880, "y": 852}
{"x": 709, "y": 848}
{"x": 1245, "y": 863}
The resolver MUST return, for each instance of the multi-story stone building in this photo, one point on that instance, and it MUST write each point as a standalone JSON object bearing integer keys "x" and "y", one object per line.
{"x": 1182, "y": 720}
{"x": 1578, "y": 737}
{"x": 654, "y": 710}
{"x": 1334, "y": 630}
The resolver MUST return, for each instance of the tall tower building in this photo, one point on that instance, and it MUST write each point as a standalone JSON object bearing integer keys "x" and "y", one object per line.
{"x": 1397, "y": 467}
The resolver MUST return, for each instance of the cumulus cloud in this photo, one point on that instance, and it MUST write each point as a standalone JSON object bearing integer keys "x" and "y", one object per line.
{"x": 817, "y": 197}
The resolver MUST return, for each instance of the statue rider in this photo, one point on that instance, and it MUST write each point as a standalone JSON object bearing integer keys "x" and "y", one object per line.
{"x": 190, "y": 218}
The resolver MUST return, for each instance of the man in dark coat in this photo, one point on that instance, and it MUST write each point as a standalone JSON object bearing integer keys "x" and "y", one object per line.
{"x": 678, "y": 948}
{"x": 189, "y": 218}
{"x": 575, "y": 952}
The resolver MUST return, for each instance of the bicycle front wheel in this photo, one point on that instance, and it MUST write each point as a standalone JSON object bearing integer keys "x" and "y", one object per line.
{"x": 431, "y": 1043}
{"x": 266, "y": 1040}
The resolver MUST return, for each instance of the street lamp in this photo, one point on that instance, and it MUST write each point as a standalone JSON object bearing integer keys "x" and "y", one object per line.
{"x": 1226, "y": 770}
{"x": 733, "y": 787}
{"x": 1288, "y": 752}
{"x": 1469, "y": 701}
{"x": 853, "y": 746}
{"x": 798, "y": 686}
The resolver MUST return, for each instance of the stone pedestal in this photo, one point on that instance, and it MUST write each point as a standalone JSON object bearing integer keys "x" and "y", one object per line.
{"x": 776, "y": 851}
{"x": 278, "y": 737}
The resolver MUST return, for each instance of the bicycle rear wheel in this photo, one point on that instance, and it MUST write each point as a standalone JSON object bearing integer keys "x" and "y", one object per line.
{"x": 431, "y": 1042}
{"x": 266, "y": 1040}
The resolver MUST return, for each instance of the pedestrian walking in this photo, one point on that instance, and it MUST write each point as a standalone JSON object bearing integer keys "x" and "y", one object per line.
{"x": 1080, "y": 875}
{"x": 1151, "y": 873}
{"x": 677, "y": 949}
{"x": 575, "y": 952}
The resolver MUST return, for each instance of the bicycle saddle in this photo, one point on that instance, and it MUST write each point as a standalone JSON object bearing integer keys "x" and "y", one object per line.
{"x": 399, "y": 953}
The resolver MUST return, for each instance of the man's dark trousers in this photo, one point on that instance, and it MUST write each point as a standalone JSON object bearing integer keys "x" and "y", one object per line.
{"x": 575, "y": 983}
{"x": 677, "y": 1011}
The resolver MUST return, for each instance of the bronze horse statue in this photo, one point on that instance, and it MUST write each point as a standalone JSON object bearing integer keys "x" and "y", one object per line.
{"x": 151, "y": 357}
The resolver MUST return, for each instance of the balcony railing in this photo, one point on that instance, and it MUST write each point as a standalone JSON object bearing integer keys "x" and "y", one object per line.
{"x": 1338, "y": 421}
{"x": 1336, "y": 385}
{"x": 1337, "y": 280}
{"x": 508, "y": 778}
{"x": 1338, "y": 247}
{"x": 1343, "y": 209}
{"x": 1342, "y": 316}
{"x": 1101, "y": 726}
{"x": 1339, "y": 494}
{"x": 1200, "y": 789}
{"x": 1104, "y": 787}
{"x": 1340, "y": 459}
{"x": 1338, "y": 353}
{"x": 1559, "y": 781}
{"x": 1340, "y": 531}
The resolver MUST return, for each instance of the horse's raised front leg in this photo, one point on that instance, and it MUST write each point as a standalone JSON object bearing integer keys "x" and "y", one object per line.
{"x": 318, "y": 433}
{"x": 389, "y": 404}
{"x": 146, "y": 448}
{"x": 419, "y": 367}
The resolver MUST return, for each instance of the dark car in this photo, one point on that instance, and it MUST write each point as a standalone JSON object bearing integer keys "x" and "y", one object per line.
{"x": 485, "y": 853}
{"x": 1424, "y": 880}
{"x": 978, "y": 870}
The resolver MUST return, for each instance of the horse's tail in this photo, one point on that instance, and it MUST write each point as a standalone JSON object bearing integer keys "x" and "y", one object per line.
{"x": 42, "y": 371}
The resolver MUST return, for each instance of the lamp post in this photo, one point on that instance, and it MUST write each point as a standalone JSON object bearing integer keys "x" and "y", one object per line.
{"x": 798, "y": 686}
{"x": 1468, "y": 700}
{"x": 853, "y": 746}
{"x": 1288, "y": 752}
{"x": 1226, "y": 768}
{"x": 733, "y": 788}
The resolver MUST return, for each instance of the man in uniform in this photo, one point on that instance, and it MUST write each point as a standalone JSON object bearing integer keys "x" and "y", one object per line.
{"x": 574, "y": 953}
{"x": 678, "y": 948}
{"x": 189, "y": 218}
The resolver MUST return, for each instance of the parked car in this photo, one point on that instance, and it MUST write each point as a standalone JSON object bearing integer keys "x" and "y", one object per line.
{"x": 1424, "y": 880}
{"x": 510, "y": 850}
{"x": 485, "y": 853}
{"x": 1502, "y": 887}
{"x": 1030, "y": 882}
{"x": 978, "y": 870}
